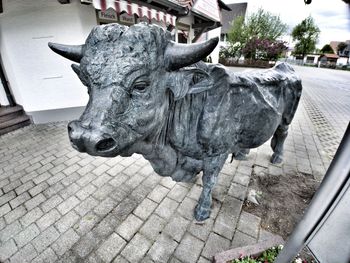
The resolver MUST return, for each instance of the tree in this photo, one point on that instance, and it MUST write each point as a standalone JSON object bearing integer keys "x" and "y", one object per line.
{"x": 327, "y": 49}
{"x": 341, "y": 46}
{"x": 306, "y": 36}
{"x": 258, "y": 29}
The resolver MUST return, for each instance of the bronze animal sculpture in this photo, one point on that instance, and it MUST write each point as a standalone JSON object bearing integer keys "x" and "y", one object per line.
{"x": 151, "y": 96}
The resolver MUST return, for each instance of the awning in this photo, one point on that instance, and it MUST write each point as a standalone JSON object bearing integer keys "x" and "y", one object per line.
{"x": 132, "y": 8}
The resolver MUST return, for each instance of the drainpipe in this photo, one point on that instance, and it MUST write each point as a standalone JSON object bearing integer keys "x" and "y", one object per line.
{"x": 6, "y": 87}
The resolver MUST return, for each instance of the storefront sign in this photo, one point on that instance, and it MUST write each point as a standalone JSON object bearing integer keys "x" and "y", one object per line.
{"x": 207, "y": 8}
{"x": 125, "y": 18}
{"x": 109, "y": 14}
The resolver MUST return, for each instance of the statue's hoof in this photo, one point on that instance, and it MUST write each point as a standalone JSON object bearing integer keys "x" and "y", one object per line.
{"x": 275, "y": 158}
{"x": 201, "y": 213}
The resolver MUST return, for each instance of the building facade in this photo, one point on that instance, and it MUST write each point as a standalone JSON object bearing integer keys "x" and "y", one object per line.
{"x": 42, "y": 82}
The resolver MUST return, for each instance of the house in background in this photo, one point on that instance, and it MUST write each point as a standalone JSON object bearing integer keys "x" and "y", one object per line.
{"x": 42, "y": 82}
{"x": 238, "y": 9}
{"x": 344, "y": 55}
{"x": 328, "y": 60}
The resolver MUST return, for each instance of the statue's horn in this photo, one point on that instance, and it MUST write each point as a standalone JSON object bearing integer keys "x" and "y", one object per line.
{"x": 72, "y": 52}
{"x": 181, "y": 55}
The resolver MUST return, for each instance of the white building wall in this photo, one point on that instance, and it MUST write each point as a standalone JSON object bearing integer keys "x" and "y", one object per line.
{"x": 40, "y": 79}
{"x": 215, "y": 54}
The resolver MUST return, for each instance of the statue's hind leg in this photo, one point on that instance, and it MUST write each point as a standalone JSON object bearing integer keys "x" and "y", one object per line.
{"x": 211, "y": 170}
{"x": 277, "y": 142}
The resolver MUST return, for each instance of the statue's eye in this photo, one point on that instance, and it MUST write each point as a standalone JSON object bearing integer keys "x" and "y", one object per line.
{"x": 141, "y": 86}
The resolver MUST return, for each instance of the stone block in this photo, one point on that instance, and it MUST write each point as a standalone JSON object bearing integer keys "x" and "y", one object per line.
{"x": 189, "y": 249}
{"x": 111, "y": 247}
{"x": 145, "y": 209}
{"x": 129, "y": 227}
{"x": 136, "y": 248}
{"x": 162, "y": 249}
{"x": 215, "y": 244}
{"x": 65, "y": 242}
{"x": 27, "y": 235}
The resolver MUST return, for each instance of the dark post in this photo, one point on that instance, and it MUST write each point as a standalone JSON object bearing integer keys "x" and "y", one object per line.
{"x": 5, "y": 85}
{"x": 329, "y": 192}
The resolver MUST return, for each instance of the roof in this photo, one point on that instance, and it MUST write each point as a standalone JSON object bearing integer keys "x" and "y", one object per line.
{"x": 328, "y": 55}
{"x": 228, "y": 16}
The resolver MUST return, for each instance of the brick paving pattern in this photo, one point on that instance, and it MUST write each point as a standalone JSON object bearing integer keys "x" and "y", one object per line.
{"x": 58, "y": 205}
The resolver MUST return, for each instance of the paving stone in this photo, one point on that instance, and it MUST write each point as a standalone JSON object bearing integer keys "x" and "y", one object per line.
{"x": 53, "y": 190}
{"x": 189, "y": 249}
{"x": 136, "y": 248}
{"x": 162, "y": 249}
{"x": 104, "y": 228}
{"x": 45, "y": 239}
{"x": 10, "y": 231}
{"x": 86, "y": 223}
{"x": 111, "y": 247}
{"x": 4, "y": 209}
{"x": 67, "y": 221}
{"x": 38, "y": 189}
{"x": 48, "y": 219}
{"x": 86, "y": 245}
{"x": 145, "y": 209}
{"x": 153, "y": 227}
{"x": 118, "y": 180}
{"x": 67, "y": 205}
{"x": 202, "y": 229}
{"x": 241, "y": 239}
{"x": 129, "y": 227}
{"x": 158, "y": 193}
{"x": 47, "y": 256}
{"x": 55, "y": 179}
{"x": 51, "y": 203}
{"x": 27, "y": 235}
{"x": 115, "y": 170}
{"x": 124, "y": 209}
{"x": 195, "y": 192}
{"x": 26, "y": 254}
{"x": 86, "y": 192}
{"x": 10, "y": 186}
{"x": 166, "y": 208}
{"x": 65, "y": 242}
{"x": 34, "y": 202}
{"x": 19, "y": 200}
{"x": 70, "y": 190}
{"x": 121, "y": 259}
{"x": 15, "y": 214}
{"x": 7, "y": 250}
{"x": 103, "y": 192}
{"x": 41, "y": 178}
{"x": 24, "y": 187}
{"x": 87, "y": 205}
{"x": 241, "y": 179}
{"x": 249, "y": 224}
{"x": 176, "y": 228}
{"x": 186, "y": 208}
{"x": 31, "y": 216}
{"x": 178, "y": 193}
{"x": 238, "y": 191}
{"x": 225, "y": 225}
{"x": 214, "y": 245}
{"x": 7, "y": 197}
{"x": 105, "y": 207}
{"x": 203, "y": 260}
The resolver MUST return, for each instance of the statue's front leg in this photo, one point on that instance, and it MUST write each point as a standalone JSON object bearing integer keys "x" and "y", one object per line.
{"x": 211, "y": 170}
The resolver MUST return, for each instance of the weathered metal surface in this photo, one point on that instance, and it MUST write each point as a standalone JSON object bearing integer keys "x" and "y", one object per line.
{"x": 147, "y": 97}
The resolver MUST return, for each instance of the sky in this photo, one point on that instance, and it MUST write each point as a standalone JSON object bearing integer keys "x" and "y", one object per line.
{"x": 331, "y": 16}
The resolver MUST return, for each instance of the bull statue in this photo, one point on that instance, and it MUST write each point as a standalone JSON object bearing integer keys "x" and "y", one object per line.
{"x": 152, "y": 96}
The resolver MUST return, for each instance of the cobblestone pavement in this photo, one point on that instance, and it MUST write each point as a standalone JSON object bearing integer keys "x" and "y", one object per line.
{"x": 58, "y": 205}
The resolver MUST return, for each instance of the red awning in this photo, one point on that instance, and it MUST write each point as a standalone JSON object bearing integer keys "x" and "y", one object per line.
{"x": 132, "y": 8}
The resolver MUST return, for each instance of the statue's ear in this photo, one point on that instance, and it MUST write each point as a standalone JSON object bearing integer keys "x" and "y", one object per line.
{"x": 188, "y": 81}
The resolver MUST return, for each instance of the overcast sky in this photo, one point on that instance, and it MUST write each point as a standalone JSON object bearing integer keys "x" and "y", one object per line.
{"x": 331, "y": 16}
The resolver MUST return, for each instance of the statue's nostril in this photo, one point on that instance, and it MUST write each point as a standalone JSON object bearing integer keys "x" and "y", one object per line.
{"x": 105, "y": 144}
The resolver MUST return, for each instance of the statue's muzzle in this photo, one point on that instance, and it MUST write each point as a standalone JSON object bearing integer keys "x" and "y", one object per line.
{"x": 91, "y": 141}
